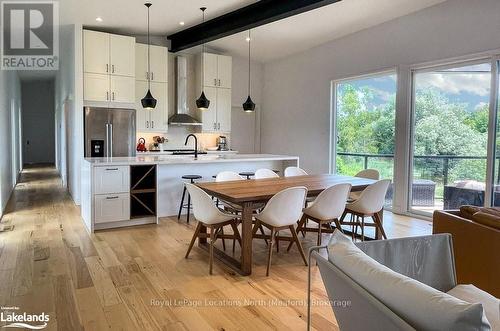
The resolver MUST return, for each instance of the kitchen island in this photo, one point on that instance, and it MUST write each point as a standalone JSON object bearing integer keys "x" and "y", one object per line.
{"x": 128, "y": 191}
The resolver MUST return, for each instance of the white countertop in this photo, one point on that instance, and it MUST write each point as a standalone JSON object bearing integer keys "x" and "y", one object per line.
{"x": 149, "y": 153}
{"x": 187, "y": 159}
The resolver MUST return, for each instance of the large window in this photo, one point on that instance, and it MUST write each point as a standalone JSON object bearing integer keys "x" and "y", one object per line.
{"x": 450, "y": 137}
{"x": 364, "y": 125}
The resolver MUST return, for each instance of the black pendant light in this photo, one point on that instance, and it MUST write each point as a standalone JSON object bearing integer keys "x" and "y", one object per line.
{"x": 148, "y": 102}
{"x": 202, "y": 102}
{"x": 249, "y": 105}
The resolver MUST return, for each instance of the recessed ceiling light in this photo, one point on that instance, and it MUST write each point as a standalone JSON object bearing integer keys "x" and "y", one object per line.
{"x": 247, "y": 39}
{"x": 98, "y": 19}
{"x": 181, "y": 23}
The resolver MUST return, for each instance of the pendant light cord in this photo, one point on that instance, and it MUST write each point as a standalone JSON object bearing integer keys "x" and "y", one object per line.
{"x": 149, "y": 54}
{"x": 203, "y": 53}
{"x": 249, "y": 41}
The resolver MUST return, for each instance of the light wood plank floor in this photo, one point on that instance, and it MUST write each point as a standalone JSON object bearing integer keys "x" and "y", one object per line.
{"x": 137, "y": 278}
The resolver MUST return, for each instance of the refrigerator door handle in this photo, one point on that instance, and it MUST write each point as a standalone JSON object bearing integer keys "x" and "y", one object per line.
{"x": 107, "y": 140}
{"x": 111, "y": 140}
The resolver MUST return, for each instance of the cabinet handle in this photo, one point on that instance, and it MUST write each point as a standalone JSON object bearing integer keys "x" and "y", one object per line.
{"x": 152, "y": 76}
{"x": 107, "y": 95}
{"x": 112, "y": 198}
{"x": 219, "y": 82}
{"x": 147, "y": 124}
{"x": 147, "y": 75}
{"x": 215, "y": 81}
{"x": 107, "y": 67}
{"x": 218, "y": 126}
{"x": 111, "y": 169}
{"x": 113, "y": 68}
{"x": 152, "y": 124}
{"x": 113, "y": 95}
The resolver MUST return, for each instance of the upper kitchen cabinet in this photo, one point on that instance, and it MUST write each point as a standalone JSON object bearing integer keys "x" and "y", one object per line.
{"x": 159, "y": 63}
{"x": 122, "y": 55}
{"x": 154, "y": 120}
{"x": 217, "y": 70}
{"x": 109, "y": 69}
{"x": 217, "y": 73}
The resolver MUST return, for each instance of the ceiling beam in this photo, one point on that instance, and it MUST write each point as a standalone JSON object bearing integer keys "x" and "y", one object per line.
{"x": 249, "y": 17}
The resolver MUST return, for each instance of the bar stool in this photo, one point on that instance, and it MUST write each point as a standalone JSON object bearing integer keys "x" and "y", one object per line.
{"x": 247, "y": 174}
{"x": 192, "y": 179}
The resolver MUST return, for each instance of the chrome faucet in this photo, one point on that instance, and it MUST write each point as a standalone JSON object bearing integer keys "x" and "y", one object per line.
{"x": 195, "y": 144}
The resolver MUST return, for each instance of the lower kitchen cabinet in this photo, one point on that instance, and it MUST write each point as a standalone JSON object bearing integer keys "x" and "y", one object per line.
{"x": 111, "y": 207}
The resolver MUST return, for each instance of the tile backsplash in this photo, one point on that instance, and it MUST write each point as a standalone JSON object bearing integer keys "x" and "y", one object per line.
{"x": 176, "y": 136}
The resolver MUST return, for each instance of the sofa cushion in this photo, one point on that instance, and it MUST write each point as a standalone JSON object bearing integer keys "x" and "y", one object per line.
{"x": 422, "y": 306}
{"x": 467, "y": 211}
{"x": 472, "y": 294}
{"x": 487, "y": 219}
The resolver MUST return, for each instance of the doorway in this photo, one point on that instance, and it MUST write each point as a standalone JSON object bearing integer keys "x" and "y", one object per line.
{"x": 38, "y": 122}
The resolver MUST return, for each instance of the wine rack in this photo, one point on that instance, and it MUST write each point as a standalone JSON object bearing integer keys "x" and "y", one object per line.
{"x": 143, "y": 191}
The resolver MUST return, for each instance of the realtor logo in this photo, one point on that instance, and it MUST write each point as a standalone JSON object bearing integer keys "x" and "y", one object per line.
{"x": 30, "y": 35}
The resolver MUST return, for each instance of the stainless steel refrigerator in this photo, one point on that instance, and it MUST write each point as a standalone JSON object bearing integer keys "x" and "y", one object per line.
{"x": 109, "y": 132}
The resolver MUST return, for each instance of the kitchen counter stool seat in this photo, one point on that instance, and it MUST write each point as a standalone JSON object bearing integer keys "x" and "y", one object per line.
{"x": 187, "y": 206}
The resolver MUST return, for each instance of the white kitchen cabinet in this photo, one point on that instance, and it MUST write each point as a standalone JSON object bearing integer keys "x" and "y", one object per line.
{"x": 217, "y": 80}
{"x": 210, "y": 77}
{"x": 223, "y": 110}
{"x": 159, "y": 63}
{"x": 96, "y": 52}
{"x": 155, "y": 120}
{"x": 109, "y": 68}
{"x": 224, "y": 71}
{"x": 217, "y": 70}
{"x": 209, "y": 117}
{"x": 113, "y": 179}
{"x": 111, "y": 208}
{"x": 96, "y": 87}
{"x": 122, "y": 55}
{"x": 122, "y": 89}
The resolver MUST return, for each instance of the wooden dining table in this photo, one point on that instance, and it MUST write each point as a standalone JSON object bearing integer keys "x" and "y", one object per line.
{"x": 248, "y": 193}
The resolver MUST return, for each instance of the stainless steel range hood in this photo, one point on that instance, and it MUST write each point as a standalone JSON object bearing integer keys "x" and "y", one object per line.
{"x": 181, "y": 117}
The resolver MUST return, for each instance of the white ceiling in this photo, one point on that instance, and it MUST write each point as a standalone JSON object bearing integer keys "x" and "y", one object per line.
{"x": 269, "y": 42}
{"x": 301, "y": 32}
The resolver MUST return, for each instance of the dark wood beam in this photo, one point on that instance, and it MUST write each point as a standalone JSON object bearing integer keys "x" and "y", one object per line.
{"x": 249, "y": 17}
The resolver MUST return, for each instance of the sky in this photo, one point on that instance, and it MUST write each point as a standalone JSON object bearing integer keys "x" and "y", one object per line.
{"x": 469, "y": 85}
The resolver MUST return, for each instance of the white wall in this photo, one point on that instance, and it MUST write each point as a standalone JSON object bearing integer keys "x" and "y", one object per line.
{"x": 10, "y": 92}
{"x": 38, "y": 121}
{"x": 69, "y": 108}
{"x": 296, "y": 100}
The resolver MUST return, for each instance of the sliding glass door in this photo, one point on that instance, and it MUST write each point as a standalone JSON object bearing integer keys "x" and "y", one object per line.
{"x": 364, "y": 125}
{"x": 451, "y": 107}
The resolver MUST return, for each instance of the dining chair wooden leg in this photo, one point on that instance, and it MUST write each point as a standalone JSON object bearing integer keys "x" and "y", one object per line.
{"x": 211, "y": 256}
{"x": 193, "y": 240}
{"x": 362, "y": 228}
{"x": 277, "y": 242}
{"x": 337, "y": 225}
{"x": 343, "y": 216}
{"x": 299, "y": 245}
{"x": 301, "y": 225}
{"x": 263, "y": 233}
{"x": 223, "y": 240}
{"x": 319, "y": 233}
{"x": 377, "y": 221}
{"x": 270, "y": 251}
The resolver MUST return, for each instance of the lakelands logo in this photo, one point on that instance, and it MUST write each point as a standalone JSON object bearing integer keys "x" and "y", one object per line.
{"x": 30, "y": 35}
{"x": 12, "y": 319}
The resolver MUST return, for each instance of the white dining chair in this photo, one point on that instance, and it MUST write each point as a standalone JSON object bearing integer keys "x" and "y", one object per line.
{"x": 265, "y": 173}
{"x": 295, "y": 171}
{"x": 327, "y": 208}
{"x": 370, "y": 203}
{"x": 226, "y": 176}
{"x": 368, "y": 174}
{"x": 281, "y": 212}
{"x": 208, "y": 215}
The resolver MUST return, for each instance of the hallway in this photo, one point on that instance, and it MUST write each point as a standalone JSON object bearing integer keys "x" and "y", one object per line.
{"x": 137, "y": 278}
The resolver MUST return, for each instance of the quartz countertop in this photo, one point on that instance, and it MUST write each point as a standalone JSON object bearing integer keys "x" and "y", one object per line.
{"x": 186, "y": 159}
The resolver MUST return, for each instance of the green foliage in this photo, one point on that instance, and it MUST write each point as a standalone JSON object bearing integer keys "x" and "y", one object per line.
{"x": 442, "y": 127}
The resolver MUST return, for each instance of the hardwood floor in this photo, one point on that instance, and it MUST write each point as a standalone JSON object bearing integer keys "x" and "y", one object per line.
{"x": 137, "y": 278}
